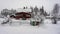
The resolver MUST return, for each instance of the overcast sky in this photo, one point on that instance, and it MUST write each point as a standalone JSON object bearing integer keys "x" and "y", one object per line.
{"x": 48, "y": 4}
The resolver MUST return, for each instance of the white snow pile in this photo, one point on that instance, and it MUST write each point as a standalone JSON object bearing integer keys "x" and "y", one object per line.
{"x": 46, "y": 28}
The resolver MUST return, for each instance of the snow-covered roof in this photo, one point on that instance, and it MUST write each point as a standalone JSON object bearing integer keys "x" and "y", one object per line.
{"x": 23, "y": 10}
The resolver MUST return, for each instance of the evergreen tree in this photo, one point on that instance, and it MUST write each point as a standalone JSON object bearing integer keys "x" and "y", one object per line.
{"x": 42, "y": 10}
{"x": 35, "y": 9}
{"x": 32, "y": 14}
{"x": 45, "y": 13}
{"x": 6, "y": 12}
{"x": 31, "y": 9}
{"x": 55, "y": 12}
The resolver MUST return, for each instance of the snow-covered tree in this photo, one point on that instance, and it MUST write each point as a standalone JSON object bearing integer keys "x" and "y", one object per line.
{"x": 6, "y": 12}
{"x": 43, "y": 12}
{"x": 36, "y": 10}
{"x": 55, "y": 12}
{"x": 31, "y": 8}
{"x": 32, "y": 14}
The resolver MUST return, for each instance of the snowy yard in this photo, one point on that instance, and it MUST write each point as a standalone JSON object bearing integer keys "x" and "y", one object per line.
{"x": 46, "y": 28}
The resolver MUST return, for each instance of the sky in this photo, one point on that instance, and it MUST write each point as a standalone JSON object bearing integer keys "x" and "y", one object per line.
{"x": 15, "y": 4}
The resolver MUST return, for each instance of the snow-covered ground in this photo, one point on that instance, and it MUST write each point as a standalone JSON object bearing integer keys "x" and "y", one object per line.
{"x": 46, "y": 28}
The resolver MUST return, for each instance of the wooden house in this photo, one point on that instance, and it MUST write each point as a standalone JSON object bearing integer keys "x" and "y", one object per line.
{"x": 22, "y": 14}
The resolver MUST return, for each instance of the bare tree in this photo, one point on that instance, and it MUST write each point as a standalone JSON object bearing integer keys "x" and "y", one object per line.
{"x": 55, "y": 13}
